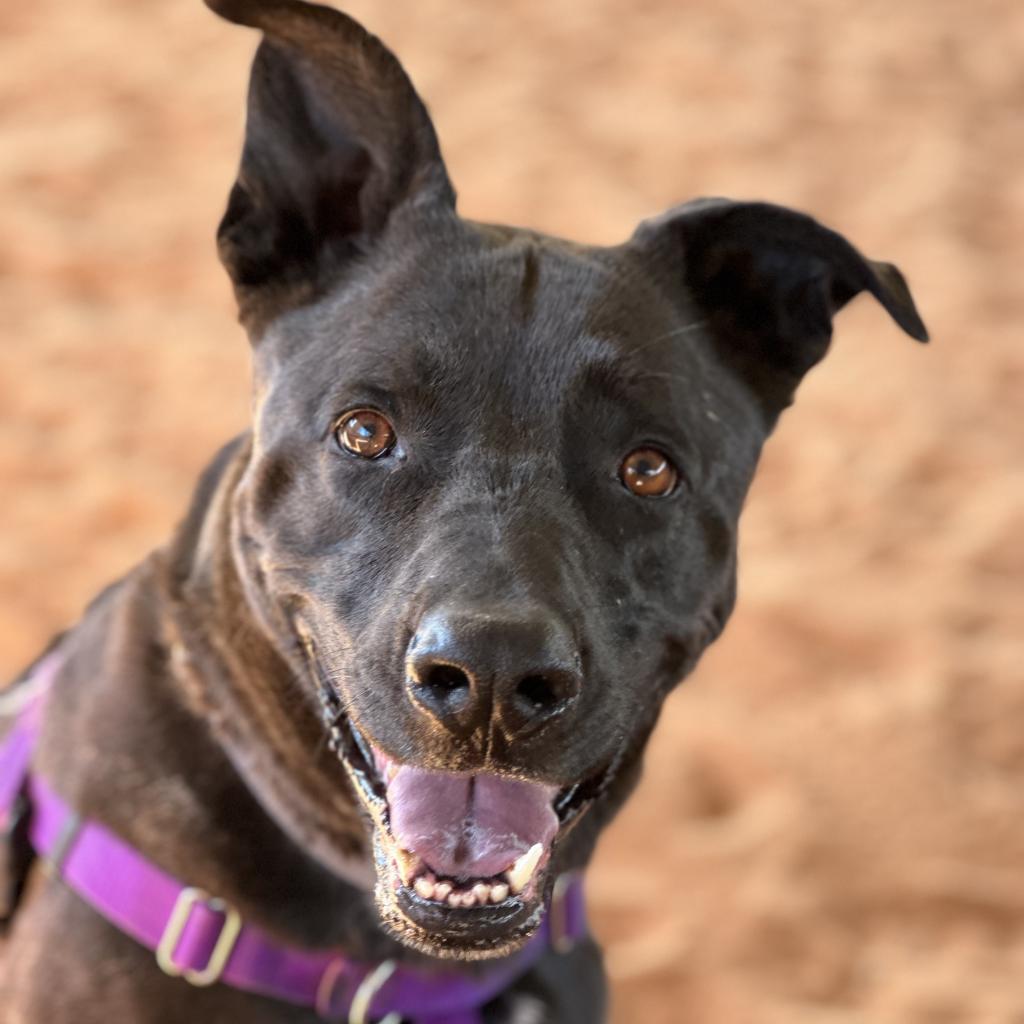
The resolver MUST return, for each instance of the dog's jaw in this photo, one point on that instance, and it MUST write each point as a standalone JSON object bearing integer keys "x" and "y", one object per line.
{"x": 455, "y": 916}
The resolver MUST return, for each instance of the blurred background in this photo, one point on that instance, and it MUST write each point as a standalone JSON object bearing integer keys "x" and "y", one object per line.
{"x": 830, "y": 828}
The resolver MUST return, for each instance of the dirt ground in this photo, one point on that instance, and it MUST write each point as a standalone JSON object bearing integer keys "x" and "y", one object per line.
{"x": 831, "y": 825}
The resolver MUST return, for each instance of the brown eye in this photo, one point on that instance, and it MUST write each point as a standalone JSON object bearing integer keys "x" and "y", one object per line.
{"x": 365, "y": 432}
{"x": 648, "y": 473}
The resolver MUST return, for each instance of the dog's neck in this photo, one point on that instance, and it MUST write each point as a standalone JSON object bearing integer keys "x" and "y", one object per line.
{"x": 214, "y": 763}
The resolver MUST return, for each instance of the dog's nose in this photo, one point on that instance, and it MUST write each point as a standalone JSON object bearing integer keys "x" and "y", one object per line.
{"x": 515, "y": 668}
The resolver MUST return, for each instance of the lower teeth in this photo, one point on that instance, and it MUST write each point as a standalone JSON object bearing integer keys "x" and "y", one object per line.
{"x": 428, "y": 887}
{"x": 481, "y": 893}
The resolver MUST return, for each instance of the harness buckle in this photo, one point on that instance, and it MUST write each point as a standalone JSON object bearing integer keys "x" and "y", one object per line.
{"x": 561, "y": 937}
{"x": 16, "y": 814}
{"x": 358, "y": 1012}
{"x": 175, "y": 928}
{"x": 63, "y": 845}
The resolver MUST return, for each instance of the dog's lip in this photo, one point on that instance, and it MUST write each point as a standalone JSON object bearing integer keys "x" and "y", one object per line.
{"x": 361, "y": 758}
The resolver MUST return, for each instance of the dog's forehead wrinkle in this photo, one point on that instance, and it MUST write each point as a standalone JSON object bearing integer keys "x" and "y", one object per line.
{"x": 461, "y": 329}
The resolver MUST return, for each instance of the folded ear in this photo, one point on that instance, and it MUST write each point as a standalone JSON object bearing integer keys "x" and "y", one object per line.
{"x": 769, "y": 280}
{"x": 336, "y": 140}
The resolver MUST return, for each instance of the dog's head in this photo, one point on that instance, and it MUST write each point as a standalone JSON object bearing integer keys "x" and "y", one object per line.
{"x": 496, "y": 476}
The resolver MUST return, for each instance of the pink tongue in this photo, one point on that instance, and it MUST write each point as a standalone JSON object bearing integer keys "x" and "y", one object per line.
{"x": 469, "y": 825}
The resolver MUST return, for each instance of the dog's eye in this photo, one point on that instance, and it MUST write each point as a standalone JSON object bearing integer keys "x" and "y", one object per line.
{"x": 648, "y": 473}
{"x": 366, "y": 433}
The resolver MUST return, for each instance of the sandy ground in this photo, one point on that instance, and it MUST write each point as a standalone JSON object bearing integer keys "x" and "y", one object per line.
{"x": 831, "y": 825}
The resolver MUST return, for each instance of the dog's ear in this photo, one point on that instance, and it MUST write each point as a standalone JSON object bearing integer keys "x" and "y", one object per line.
{"x": 336, "y": 141}
{"x": 768, "y": 280}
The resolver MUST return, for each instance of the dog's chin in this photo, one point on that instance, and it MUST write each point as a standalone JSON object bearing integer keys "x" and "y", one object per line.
{"x": 435, "y": 896}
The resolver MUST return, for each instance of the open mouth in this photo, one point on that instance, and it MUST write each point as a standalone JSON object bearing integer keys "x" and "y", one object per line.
{"x": 462, "y": 859}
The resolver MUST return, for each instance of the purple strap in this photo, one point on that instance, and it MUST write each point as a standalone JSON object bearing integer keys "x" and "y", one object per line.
{"x": 204, "y": 940}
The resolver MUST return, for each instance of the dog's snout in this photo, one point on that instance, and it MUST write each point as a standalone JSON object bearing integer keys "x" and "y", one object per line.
{"x": 516, "y": 669}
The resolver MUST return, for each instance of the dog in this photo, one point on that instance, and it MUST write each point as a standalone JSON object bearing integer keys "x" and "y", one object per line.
{"x": 372, "y": 705}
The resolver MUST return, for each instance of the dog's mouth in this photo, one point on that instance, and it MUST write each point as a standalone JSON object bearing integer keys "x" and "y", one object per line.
{"x": 462, "y": 860}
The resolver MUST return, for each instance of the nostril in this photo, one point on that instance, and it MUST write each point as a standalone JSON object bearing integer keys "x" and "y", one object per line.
{"x": 444, "y": 680}
{"x": 538, "y": 693}
{"x": 446, "y": 677}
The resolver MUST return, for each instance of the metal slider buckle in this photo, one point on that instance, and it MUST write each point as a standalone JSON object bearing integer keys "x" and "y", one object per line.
{"x": 369, "y": 987}
{"x": 15, "y": 815}
{"x": 175, "y": 928}
{"x": 63, "y": 845}
{"x": 558, "y": 919}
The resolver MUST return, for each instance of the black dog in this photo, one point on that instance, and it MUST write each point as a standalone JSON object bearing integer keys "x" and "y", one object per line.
{"x": 485, "y": 520}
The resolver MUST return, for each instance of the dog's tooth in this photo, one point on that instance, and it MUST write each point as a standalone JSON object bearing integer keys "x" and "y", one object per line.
{"x": 408, "y": 864}
{"x": 522, "y": 871}
{"x": 424, "y": 888}
{"x": 468, "y": 900}
{"x": 499, "y": 893}
{"x": 454, "y": 899}
{"x": 442, "y": 890}
{"x": 482, "y": 892}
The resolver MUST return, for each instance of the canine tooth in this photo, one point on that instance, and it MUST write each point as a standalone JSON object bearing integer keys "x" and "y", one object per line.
{"x": 522, "y": 871}
{"x": 482, "y": 892}
{"x": 468, "y": 900}
{"x": 424, "y": 888}
{"x": 442, "y": 890}
{"x": 454, "y": 899}
{"x": 407, "y": 864}
{"x": 499, "y": 893}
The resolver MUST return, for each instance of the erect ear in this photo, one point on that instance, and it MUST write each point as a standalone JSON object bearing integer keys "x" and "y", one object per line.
{"x": 336, "y": 140}
{"x": 769, "y": 281}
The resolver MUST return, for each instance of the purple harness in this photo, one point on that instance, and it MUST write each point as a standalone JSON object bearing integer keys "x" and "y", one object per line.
{"x": 204, "y": 940}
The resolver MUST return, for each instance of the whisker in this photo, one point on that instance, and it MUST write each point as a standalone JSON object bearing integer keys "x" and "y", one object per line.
{"x": 696, "y": 325}
{"x": 661, "y": 375}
